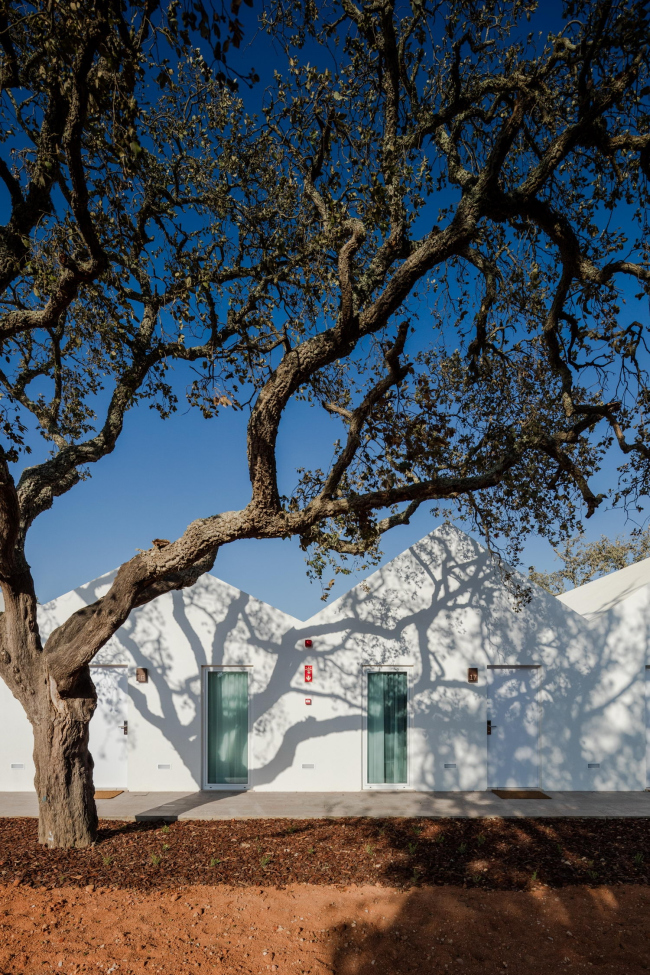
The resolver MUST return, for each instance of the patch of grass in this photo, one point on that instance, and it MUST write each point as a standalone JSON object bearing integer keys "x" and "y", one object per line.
{"x": 412, "y": 848}
{"x": 215, "y": 861}
{"x": 165, "y": 828}
{"x": 291, "y": 829}
{"x": 265, "y": 859}
{"x": 416, "y": 875}
{"x": 165, "y": 847}
{"x": 480, "y": 839}
{"x": 533, "y": 875}
{"x": 107, "y": 859}
{"x": 311, "y": 849}
{"x": 440, "y": 838}
{"x": 156, "y": 859}
{"x": 370, "y": 850}
{"x": 462, "y": 847}
{"x": 593, "y": 874}
{"x": 638, "y": 859}
{"x": 417, "y": 830}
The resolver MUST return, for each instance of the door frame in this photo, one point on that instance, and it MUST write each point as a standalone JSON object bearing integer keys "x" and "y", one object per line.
{"x": 490, "y": 675}
{"x": 385, "y": 669}
{"x": 646, "y": 694}
{"x": 125, "y": 673}
{"x": 223, "y": 786}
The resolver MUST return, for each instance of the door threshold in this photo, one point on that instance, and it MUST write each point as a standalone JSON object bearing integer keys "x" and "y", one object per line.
{"x": 520, "y": 794}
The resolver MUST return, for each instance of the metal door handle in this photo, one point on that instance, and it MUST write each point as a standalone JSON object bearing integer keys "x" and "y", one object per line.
{"x": 490, "y": 726}
{"x": 125, "y": 727}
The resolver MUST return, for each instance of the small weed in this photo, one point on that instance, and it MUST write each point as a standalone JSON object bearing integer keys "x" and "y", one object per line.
{"x": 440, "y": 838}
{"x": 560, "y": 848}
{"x": 476, "y": 877}
{"x": 107, "y": 860}
{"x": 382, "y": 831}
{"x": 311, "y": 850}
{"x": 258, "y": 845}
{"x": 165, "y": 847}
{"x": 638, "y": 859}
{"x": 165, "y": 828}
{"x": 265, "y": 859}
{"x": 412, "y": 848}
{"x": 533, "y": 875}
{"x": 417, "y": 830}
{"x": 155, "y": 859}
{"x": 416, "y": 875}
{"x": 370, "y": 850}
{"x": 291, "y": 829}
{"x": 462, "y": 847}
{"x": 215, "y": 861}
{"x": 480, "y": 839}
{"x": 593, "y": 874}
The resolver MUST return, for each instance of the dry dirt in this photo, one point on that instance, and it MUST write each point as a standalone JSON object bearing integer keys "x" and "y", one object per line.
{"x": 315, "y": 930}
{"x": 310, "y": 897}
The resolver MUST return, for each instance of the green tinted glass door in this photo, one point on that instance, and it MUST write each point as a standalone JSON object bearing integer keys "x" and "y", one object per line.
{"x": 387, "y": 726}
{"x": 227, "y": 728}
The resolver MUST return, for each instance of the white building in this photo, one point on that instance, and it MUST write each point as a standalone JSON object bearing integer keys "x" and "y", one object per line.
{"x": 430, "y": 675}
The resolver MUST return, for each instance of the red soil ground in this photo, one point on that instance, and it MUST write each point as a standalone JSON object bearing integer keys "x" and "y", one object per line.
{"x": 318, "y": 929}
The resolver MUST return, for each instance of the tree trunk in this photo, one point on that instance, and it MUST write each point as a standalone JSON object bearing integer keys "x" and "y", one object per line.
{"x": 59, "y": 710}
{"x": 64, "y": 766}
{"x": 60, "y": 723}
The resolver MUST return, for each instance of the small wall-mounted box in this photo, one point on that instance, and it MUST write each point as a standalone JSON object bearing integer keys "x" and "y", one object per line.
{"x": 142, "y": 675}
{"x": 309, "y": 643}
{"x": 472, "y": 675}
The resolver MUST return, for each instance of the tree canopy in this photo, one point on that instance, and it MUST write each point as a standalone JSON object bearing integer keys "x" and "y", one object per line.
{"x": 583, "y": 561}
{"x": 426, "y": 229}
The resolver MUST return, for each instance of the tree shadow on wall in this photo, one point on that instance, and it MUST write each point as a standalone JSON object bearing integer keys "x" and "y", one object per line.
{"x": 442, "y": 607}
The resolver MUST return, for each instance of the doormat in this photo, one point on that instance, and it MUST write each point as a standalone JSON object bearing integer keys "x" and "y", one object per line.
{"x": 108, "y": 795}
{"x": 520, "y": 794}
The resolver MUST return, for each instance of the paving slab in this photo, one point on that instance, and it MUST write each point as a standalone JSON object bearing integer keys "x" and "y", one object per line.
{"x": 143, "y": 806}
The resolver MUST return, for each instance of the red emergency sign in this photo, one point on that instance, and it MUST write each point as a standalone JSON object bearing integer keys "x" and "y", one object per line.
{"x": 308, "y": 673}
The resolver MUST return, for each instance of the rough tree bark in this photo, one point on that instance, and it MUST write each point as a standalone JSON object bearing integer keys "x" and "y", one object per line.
{"x": 64, "y": 765}
{"x": 60, "y": 722}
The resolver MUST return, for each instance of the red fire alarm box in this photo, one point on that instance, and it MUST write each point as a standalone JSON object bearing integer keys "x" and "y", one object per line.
{"x": 308, "y": 643}
{"x": 307, "y": 700}
{"x": 309, "y": 673}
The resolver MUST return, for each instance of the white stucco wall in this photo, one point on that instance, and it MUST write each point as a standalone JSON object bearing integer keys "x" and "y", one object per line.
{"x": 437, "y": 609}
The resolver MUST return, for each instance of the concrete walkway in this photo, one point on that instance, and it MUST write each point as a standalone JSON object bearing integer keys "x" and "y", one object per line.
{"x": 144, "y": 806}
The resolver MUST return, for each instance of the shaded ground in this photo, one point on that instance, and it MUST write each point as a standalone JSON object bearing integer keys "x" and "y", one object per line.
{"x": 317, "y": 930}
{"x": 488, "y": 854}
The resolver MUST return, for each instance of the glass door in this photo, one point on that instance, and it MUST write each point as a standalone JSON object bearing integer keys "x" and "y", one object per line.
{"x": 227, "y": 728}
{"x": 387, "y": 728}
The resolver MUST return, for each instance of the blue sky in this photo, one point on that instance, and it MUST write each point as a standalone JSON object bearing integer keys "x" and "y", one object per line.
{"x": 163, "y": 474}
